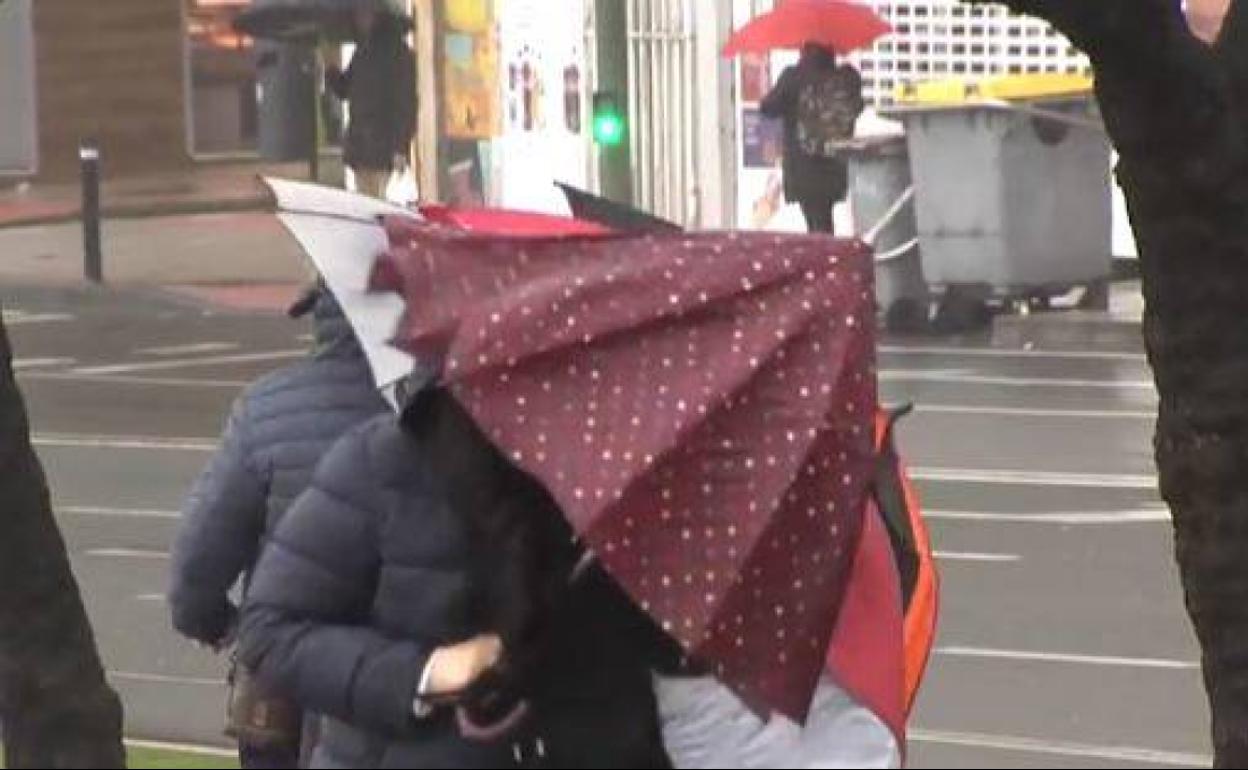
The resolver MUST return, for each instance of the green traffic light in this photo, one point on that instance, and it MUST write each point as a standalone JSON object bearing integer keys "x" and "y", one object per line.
{"x": 608, "y": 129}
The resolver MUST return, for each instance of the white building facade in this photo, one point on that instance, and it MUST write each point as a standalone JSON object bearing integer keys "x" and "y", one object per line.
{"x": 935, "y": 39}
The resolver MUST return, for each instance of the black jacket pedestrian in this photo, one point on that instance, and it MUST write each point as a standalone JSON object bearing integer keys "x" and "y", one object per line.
{"x": 807, "y": 177}
{"x": 373, "y": 569}
{"x": 380, "y": 85}
{"x": 277, "y": 431}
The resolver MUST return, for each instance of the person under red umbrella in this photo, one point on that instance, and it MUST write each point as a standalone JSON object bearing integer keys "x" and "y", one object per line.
{"x": 819, "y": 103}
{"x": 818, "y": 100}
{"x": 474, "y": 303}
{"x": 699, "y": 406}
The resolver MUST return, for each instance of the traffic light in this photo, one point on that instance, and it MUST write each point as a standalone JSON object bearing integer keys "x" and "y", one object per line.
{"x": 609, "y": 123}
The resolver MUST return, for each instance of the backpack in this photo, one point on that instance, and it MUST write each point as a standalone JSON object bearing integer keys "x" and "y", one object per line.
{"x": 827, "y": 109}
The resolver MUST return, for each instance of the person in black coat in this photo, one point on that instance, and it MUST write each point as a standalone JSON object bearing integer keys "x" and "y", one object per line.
{"x": 429, "y": 599}
{"x": 819, "y": 102}
{"x": 278, "y": 430}
{"x": 380, "y": 86}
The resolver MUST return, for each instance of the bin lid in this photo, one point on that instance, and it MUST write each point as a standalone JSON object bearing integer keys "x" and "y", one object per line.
{"x": 874, "y": 146}
{"x": 961, "y": 91}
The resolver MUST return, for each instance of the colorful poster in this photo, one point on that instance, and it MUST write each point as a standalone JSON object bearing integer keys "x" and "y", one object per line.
{"x": 470, "y": 70}
{"x": 762, "y": 139}
{"x": 544, "y": 140}
{"x": 755, "y": 77}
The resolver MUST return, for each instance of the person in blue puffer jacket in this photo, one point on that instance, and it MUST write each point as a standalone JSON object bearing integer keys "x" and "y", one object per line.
{"x": 276, "y": 433}
{"x": 428, "y": 598}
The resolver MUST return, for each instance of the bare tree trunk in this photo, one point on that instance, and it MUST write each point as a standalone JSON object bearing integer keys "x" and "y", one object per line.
{"x": 1175, "y": 109}
{"x": 55, "y": 706}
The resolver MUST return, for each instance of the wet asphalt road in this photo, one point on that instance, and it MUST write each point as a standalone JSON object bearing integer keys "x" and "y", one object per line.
{"x": 1063, "y": 641}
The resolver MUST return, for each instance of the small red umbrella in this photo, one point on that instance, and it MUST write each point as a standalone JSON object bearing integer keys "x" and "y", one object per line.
{"x": 837, "y": 24}
{"x": 700, "y": 405}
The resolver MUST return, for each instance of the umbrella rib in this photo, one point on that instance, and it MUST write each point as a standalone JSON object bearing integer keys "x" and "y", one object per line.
{"x": 378, "y": 220}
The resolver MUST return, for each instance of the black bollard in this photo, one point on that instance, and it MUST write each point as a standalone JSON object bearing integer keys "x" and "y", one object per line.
{"x": 92, "y": 259}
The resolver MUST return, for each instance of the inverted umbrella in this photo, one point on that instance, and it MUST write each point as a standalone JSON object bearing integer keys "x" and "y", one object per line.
{"x": 617, "y": 216}
{"x": 341, "y": 233}
{"x": 841, "y": 25}
{"x": 699, "y": 405}
{"x": 507, "y": 222}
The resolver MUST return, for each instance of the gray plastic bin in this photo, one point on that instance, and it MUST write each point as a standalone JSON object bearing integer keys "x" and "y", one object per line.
{"x": 1011, "y": 197}
{"x": 880, "y": 194}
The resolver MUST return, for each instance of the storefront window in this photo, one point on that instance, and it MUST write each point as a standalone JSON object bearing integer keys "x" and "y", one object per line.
{"x": 223, "y": 108}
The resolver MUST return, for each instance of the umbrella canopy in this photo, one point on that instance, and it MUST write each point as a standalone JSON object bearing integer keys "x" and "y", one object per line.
{"x": 699, "y": 405}
{"x": 310, "y": 20}
{"x": 507, "y": 222}
{"x": 341, "y": 233}
{"x": 840, "y": 25}
{"x": 617, "y": 216}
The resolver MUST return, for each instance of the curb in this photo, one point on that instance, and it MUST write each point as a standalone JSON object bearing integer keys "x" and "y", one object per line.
{"x": 258, "y": 202}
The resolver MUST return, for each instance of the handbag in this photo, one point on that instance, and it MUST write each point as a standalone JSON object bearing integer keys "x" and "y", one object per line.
{"x": 255, "y": 716}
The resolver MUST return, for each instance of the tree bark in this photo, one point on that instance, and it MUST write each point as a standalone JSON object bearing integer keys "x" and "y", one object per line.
{"x": 56, "y": 708}
{"x": 1175, "y": 110}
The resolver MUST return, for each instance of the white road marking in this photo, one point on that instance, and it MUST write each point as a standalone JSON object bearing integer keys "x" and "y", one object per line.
{"x": 961, "y": 378}
{"x": 185, "y": 363}
{"x": 1035, "y": 478}
{"x": 172, "y": 382}
{"x": 128, "y": 553}
{"x": 116, "y": 513}
{"x": 20, "y": 318}
{"x": 1141, "y": 515}
{"x": 1001, "y": 558}
{"x": 182, "y": 350}
{"x": 164, "y": 679}
{"x": 152, "y": 443}
{"x": 918, "y": 350}
{"x": 25, "y": 364}
{"x": 1011, "y": 411}
{"x": 1112, "y": 661}
{"x": 1120, "y": 754}
{"x": 184, "y": 748}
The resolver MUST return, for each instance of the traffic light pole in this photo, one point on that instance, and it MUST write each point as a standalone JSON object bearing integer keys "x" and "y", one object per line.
{"x": 614, "y": 161}
{"x": 318, "y": 75}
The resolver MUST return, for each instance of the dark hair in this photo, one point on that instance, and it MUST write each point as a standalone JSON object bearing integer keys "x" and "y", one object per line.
{"x": 524, "y": 551}
{"x": 818, "y": 54}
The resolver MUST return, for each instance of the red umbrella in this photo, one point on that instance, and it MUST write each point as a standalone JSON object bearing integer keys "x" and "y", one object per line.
{"x": 700, "y": 405}
{"x": 837, "y": 24}
{"x": 506, "y": 221}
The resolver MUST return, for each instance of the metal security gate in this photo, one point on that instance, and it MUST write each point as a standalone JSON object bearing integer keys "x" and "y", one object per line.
{"x": 663, "y": 106}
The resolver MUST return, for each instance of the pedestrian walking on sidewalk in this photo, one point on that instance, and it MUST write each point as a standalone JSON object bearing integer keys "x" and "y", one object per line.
{"x": 819, "y": 102}
{"x": 380, "y": 86}
{"x": 428, "y": 598}
{"x": 277, "y": 431}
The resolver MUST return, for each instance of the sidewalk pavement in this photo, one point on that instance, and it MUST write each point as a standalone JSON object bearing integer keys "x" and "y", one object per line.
{"x": 206, "y": 234}
{"x": 1117, "y": 328}
{"x": 201, "y": 188}
{"x": 240, "y": 260}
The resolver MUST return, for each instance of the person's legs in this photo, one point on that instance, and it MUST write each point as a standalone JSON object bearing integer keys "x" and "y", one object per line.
{"x": 818, "y": 214}
{"x": 371, "y": 182}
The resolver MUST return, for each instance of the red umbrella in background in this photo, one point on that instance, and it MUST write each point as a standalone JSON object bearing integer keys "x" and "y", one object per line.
{"x": 700, "y": 406}
{"x": 837, "y": 24}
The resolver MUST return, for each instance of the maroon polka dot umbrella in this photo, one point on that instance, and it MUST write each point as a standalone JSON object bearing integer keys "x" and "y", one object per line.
{"x": 700, "y": 406}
